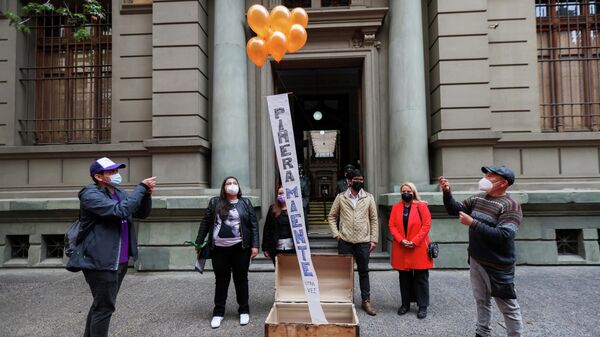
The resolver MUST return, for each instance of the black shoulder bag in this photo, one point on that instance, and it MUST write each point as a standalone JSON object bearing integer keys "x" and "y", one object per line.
{"x": 433, "y": 249}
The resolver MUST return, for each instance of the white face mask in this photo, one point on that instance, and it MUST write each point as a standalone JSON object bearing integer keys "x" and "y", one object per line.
{"x": 232, "y": 189}
{"x": 485, "y": 185}
{"x": 116, "y": 179}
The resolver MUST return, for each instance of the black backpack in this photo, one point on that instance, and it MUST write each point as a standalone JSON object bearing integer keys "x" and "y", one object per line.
{"x": 75, "y": 235}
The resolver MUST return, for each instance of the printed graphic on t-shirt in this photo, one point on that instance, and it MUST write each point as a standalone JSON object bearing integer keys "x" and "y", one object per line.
{"x": 227, "y": 233}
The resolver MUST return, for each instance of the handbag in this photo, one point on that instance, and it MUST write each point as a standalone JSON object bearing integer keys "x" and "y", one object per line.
{"x": 433, "y": 249}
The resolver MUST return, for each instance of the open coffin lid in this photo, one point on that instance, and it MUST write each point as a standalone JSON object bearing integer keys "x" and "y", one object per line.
{"x": 335, "y": 274}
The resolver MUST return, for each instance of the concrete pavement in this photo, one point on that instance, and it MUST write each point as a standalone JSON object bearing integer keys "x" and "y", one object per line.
{"x": 555, "y": 301}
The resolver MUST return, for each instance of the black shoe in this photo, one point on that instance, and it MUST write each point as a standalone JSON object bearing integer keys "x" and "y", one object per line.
{"x": 403, "y": 310}
{"x": 422, "y": 313}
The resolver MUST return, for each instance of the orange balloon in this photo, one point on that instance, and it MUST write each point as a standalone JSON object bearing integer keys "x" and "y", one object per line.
{"x": 258, "y": 19}
{"x": 266, "y": 36}
{"x": 279, "y": 20}
{"x": 299, "y": 16}
{"x": 277, "y": 45}
{"x": 256, "y": 48}
{"x": 296, "y": 38}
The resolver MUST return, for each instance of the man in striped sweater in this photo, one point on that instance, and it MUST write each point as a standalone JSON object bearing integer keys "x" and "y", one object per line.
{"x": 493, "y": 218}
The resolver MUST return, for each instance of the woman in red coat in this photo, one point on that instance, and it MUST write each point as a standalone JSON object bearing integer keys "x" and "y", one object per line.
{"x": 409, "y": 225}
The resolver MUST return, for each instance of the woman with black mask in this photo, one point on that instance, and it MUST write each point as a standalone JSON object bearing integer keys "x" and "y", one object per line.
{"x": 410, "y": 222}
{"x": 232, "y": 229}
{"x": 277, "y": 234}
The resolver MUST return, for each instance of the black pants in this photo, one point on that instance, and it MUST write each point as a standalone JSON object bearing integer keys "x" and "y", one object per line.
{"x": 227, "y": 261}
{"x": 414, "y": 287}
{"x": 361, "y": 254}
{"x": 105, "y": 285}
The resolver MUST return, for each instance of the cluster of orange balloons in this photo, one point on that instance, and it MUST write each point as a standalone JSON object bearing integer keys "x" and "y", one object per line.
{"x": 277, "y": 32}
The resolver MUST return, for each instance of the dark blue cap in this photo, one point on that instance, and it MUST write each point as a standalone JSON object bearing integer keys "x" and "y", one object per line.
{"x": 502, "y": 171}
{"x": 104, "y": 164}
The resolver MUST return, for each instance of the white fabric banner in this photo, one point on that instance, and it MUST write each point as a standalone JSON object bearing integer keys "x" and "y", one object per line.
{"x": 285, "y": 147}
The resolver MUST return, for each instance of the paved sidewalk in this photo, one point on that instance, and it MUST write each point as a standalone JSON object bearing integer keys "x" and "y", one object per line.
{"x": 555, "y": 301}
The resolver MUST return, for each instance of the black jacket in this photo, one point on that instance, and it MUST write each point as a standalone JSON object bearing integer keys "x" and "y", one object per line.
{"x": 248, "y": 223}
{"x": 101, "y": 247}
{"x": 271, "y": 233}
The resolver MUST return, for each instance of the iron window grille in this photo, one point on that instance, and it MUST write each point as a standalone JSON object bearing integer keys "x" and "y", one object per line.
{"x": 296, "y": 3}
{"x": 55, "y": 246}
{"x": 67, "y": 83}
{"x": 568, "y": 241}
{"x": 568, "y": 48}
{"x": 335, "y": 3}
{"x": 19, "y": 246}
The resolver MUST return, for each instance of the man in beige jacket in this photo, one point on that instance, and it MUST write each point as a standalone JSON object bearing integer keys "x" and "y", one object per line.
{"x": 358, "y": 230}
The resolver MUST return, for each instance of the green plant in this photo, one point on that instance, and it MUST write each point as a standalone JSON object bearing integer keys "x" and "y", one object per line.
{"x": 91, "y": 10}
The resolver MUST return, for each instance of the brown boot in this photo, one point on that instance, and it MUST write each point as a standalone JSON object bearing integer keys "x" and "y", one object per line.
{"x": 368, "y": 308}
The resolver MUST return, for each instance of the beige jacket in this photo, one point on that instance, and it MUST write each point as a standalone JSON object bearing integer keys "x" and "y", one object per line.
{"x": 356, "y": 224}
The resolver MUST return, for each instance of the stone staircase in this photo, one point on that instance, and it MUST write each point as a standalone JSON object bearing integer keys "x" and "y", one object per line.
{"x": 321, "y": 242}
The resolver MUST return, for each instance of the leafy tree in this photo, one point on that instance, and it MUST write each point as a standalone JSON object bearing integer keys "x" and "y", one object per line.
{"x": 91, "y": 10}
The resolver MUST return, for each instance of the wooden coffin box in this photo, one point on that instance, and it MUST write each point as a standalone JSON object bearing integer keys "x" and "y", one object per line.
{"x": 289, "y": 316}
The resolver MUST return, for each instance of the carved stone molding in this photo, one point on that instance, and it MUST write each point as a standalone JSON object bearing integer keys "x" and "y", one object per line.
{"x": 361, "y": 39}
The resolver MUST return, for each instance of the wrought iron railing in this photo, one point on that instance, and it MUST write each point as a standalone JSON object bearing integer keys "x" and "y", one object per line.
{"x": 568, "y": 47}
{"x": 67, "y": 82}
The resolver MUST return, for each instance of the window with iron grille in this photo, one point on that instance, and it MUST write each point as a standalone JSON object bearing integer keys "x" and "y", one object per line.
{"x": 569, "y": 64}
{"x": 55, "y": 246}
{"x": 568, "y": 241}
{"x": 19, "y": 246}
{"x": 68, "y": 83}
{"x": 296, "y": 3}
{"x": 335, "y": 3}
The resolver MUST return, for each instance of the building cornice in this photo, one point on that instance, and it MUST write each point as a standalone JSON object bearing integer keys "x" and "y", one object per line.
{"x": 450, "y": 138}
{"x": 70, "y": 150}
{"x": 366, "y": 19}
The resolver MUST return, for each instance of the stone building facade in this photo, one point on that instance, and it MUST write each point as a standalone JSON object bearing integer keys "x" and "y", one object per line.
{"x": 415, "y": 89}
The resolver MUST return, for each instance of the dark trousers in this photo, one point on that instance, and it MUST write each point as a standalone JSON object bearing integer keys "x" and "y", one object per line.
{"x": 361, "y": 254}
{"x": 277, "y": 252}
{"x": 414, "y": 286}
{"x": 227, "y": 261}
{"x": 105, "y": 285}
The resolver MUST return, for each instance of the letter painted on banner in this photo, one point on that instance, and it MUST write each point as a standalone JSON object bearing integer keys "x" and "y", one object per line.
{"x": 289, "y": 176}
{"x": 299, "y": 235}
{"x": 287, "y": 160}
{"x": 293, "y": 208}
{"x": 294, "y": 220}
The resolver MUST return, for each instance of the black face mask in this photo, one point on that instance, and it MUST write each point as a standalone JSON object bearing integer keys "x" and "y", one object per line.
{"x": 357, "y": 185}
{"x": 407, "y": 196}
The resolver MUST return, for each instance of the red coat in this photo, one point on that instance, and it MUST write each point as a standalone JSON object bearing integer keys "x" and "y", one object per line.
{"x": 418, "y": 232}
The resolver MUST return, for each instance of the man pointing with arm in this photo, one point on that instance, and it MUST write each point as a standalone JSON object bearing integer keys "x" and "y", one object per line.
{"x": 493, "y": 218}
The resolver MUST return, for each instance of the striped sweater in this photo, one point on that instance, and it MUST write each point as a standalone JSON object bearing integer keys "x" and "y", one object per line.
{"x": 496, "y": 221}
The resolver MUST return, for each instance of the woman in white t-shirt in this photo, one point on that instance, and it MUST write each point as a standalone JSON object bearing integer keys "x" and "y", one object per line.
{"x": 232, "y": 229}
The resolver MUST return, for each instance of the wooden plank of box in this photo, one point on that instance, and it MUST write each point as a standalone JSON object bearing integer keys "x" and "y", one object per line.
{"x": 289, "y": 316}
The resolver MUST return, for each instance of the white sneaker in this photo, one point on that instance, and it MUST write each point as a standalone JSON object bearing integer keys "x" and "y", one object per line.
{"x": 244, "y": 319}
{"x": 216, "y": 321}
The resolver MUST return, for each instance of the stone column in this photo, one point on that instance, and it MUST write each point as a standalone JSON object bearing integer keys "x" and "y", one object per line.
{"x": 230, "y": 143}
{"x": 408, "y": 134}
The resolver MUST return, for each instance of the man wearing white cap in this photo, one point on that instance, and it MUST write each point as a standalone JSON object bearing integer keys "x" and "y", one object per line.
{"x": 107, "y": 238}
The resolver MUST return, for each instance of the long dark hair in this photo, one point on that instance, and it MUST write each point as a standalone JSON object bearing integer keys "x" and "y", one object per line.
{"x": 224, "y": 206}
{"x": 277, "y": 206}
